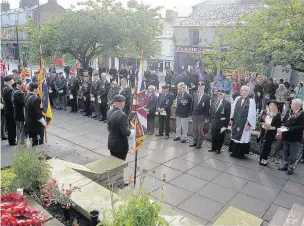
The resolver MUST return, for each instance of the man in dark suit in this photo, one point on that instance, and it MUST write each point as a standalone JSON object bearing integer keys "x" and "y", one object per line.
{"x": 86, "y": 88}
{"x": 103, "y": 98}
{"x": 220, "y": 117}
{"x": 18, "y": 100}
{"x": 34, "y": 120}
{"x": 200, "y": 114}
{"x": 126, "y": 91}
{"x": 164, "y": 103}
{"x": 118, "y": 127}
{"x": 93, "y": 94}
{"x": 73, "y": 89}
{"x": 9, "y": 109}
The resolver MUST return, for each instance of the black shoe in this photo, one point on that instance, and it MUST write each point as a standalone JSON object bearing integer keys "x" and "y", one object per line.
{"x": 176, "y": 139}
{"x": 302, "y": 161}
{"x": 166, "y": 137}
{"x": 4, "y": 138}
{"x": 211, "y": 150}
{"x": 100, "y": 119}
{"x": 86, "y": 114}
{"x": 198, "y": 146}
{"x": 289, "y": 172}
{"x": 93, "y": 116}
{"x": 159, "y": 135}
{"x": 232, "y": 155}
{"x": 72, "y": 111}
{"x": 193, "y": 145}
{"x": 183, "y": 141}
{"x": 105, "y": 121}
{"x": 217, "y": 151}
{"x": 283, "y": 168}
{"x": 12, "y": 144}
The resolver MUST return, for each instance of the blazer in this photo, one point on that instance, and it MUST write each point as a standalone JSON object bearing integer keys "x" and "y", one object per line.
{"x": 165, "y": 101}
{"x": 220, "y": 117}
{"x": 33, "y": 113}
{"x": 201, "y": 108}
{"x": 183, "y": 105}
{"x": 18, "y": 100}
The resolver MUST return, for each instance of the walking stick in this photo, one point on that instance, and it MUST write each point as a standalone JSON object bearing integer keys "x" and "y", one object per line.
{"x": 45, "y": 136}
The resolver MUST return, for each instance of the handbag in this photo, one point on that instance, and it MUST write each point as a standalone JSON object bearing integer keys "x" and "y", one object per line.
{"x": 205, "y": 129}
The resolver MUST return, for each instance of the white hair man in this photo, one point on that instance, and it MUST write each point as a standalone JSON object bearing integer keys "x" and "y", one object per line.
{"x": 243, "y": 120}
{"x": 292, "y": 135}
{"x": 183, "y": 111}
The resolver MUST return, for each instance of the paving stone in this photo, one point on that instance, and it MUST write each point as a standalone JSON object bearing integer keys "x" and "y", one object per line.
{"x": 249, "y": 163}
{"x": 216, "y": 164}
{"x": 145, "y": 164}
{"x": 260, "y": 191}
{"x": 272, "y": 171}
{"x": 158, "y": 145}
{"x": 142, "y": 152}
{"x": 92, "y": 144}
{"x": 298, "y": 178}
{"x": 286, "y": 200}
{"x": 241, "y": 172}
{"x": 53, "y": 222}
{"x": 196, "y": 157}
{"x": 176, "y": 150}
{"x": 173, "y": 195}
{"x": 201, "y": 221}
{"x": 103, "y": 151}
{"x": 204, "y": 173}
{"x": 230, "y": 181}
{"x": 161, "y": 170}
{"x": 189, "y": 183}
{"x": 180, "y": 164}
{"x": 217, "y": 193}
{"x": 149, "y": 183}
{"x": 160, "y": 157}
{"x": 294, "y": 188}
{"x": 79, "y": 139}
{"x": 249, "y": 204}
{"x": 225, "y": 156}
{"x": 270, "y": 181}
{"x": 271, "y": 212}
{"x": 201, "y": 207}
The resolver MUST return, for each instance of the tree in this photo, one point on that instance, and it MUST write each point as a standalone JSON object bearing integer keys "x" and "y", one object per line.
{"x": 98, "y": 29}
{"x": 273, "y": 35}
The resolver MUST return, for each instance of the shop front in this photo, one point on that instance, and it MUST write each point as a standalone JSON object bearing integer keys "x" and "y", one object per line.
{"x": 188, "y": 57}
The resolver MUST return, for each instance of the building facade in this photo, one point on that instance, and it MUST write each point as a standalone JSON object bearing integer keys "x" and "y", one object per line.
{"x": 12, "y": 39}
{"x": 195, "y": 33}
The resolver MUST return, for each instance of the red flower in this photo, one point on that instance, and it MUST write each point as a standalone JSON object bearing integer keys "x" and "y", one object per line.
{"x": 54, "y": 181}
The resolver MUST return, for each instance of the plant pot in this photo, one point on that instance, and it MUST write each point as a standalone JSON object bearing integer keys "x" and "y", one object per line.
{"x": 94, "y": 214}
{"x": 66, "y": 213}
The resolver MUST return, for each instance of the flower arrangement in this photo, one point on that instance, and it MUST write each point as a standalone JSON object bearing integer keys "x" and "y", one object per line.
{"x": 15, "y": 211}
{"x": 51, "y": 192}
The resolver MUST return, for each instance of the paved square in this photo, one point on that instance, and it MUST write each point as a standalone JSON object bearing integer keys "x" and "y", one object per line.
{"x": 199, "y": 184}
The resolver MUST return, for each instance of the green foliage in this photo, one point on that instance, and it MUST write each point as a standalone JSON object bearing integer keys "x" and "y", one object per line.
{"x": 105, "y": 28}
{"x": 275, "y": 34}
{"x": 30, "y": 167}
{"x": 7, "y": 179}
{"x": 136, "y": 209}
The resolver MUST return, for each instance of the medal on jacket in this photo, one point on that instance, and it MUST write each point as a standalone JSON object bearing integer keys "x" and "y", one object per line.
{"x": 222, "y": 111}
{"x": 238, "y": 129}
{"x": 203, "y": 104}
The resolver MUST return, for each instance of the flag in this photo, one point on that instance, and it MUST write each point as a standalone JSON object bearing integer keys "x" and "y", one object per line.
{"x": 139, "y": 122}
{"x": 43, "y": 93}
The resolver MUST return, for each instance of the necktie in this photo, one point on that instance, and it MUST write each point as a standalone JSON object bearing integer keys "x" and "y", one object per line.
{"x": 217, "y": 105}
{"x": 199, "y": 98}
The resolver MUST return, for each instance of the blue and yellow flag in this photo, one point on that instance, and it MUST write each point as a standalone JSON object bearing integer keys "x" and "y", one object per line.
{"x": 43, "y": 93}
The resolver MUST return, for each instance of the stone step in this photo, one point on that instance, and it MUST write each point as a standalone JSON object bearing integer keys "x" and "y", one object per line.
{"x": 295, "y": 216}
{"x": 108, "y": 163}
{"x": 234, "y": 216}
{"x": 279, "y": 217}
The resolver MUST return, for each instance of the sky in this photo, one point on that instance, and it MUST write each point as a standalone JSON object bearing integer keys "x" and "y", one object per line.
{"x": 184, "y": 8}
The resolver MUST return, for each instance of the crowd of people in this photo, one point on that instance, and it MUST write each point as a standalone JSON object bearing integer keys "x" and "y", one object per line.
{"x": 211, "y": 104}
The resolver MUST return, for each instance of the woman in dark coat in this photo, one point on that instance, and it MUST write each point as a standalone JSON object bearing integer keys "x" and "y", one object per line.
{"x": 270, "y": 123}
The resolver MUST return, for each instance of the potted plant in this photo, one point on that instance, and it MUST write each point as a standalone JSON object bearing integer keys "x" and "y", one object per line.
{"x": 51, "y": 192}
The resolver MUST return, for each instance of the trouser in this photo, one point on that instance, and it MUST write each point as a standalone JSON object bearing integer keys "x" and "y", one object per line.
{"x": 37, "y": 137}
{"x": 259, "y": 104}
{"x": 20, "y": 131}
{"x": 217, "y": 139}
{"x": 266, "y": 148}
{"x": 164, "y": 123}
{"x": 61, "y": 101}
{"x": 80, "y": 104}
{"x": 3, "y": 126}
{"x": 103, "y": 108}
{"x": 150, "y": 122}
{"x": 121, "y": 156}
{"x": 86, "y": 106}
{"x": 11, "y": 129}
{"x": 290, "y": 153}
{"x": 52, "y": 99}
{"x": 280, "y": 107}
{"x": 93, "y": 107}
{"x": 181, "y": 127}
{"x": 197, "y": 122}
{"x": 73, "y": 102}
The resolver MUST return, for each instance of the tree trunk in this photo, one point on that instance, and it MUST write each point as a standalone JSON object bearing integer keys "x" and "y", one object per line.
{"x": 84, "y": 63}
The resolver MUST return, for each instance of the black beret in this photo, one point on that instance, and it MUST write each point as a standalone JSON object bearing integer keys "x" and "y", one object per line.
{"x": 119, "y": 98}
{"x": 165, "y": 87}
{"x": 272, "y": 101}
{"x": 33, "y": 85}
{"x": 8, "y": 78}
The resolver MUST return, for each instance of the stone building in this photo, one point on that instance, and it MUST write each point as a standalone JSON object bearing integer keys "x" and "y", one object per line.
{"x": 196, "y": 32}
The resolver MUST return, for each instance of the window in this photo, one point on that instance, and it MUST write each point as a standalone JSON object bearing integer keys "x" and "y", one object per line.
{"x": 194, "y": 37}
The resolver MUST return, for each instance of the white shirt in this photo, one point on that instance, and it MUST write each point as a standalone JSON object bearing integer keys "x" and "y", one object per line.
{"x": 268, "y": 119}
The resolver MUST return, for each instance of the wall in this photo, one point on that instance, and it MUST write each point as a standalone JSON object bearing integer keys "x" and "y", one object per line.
{"x": 49, "y": 10}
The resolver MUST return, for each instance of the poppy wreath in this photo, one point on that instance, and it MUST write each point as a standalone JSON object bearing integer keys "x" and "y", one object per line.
{"x": 14, "y": 206}
{"x": 205, "y": 129}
